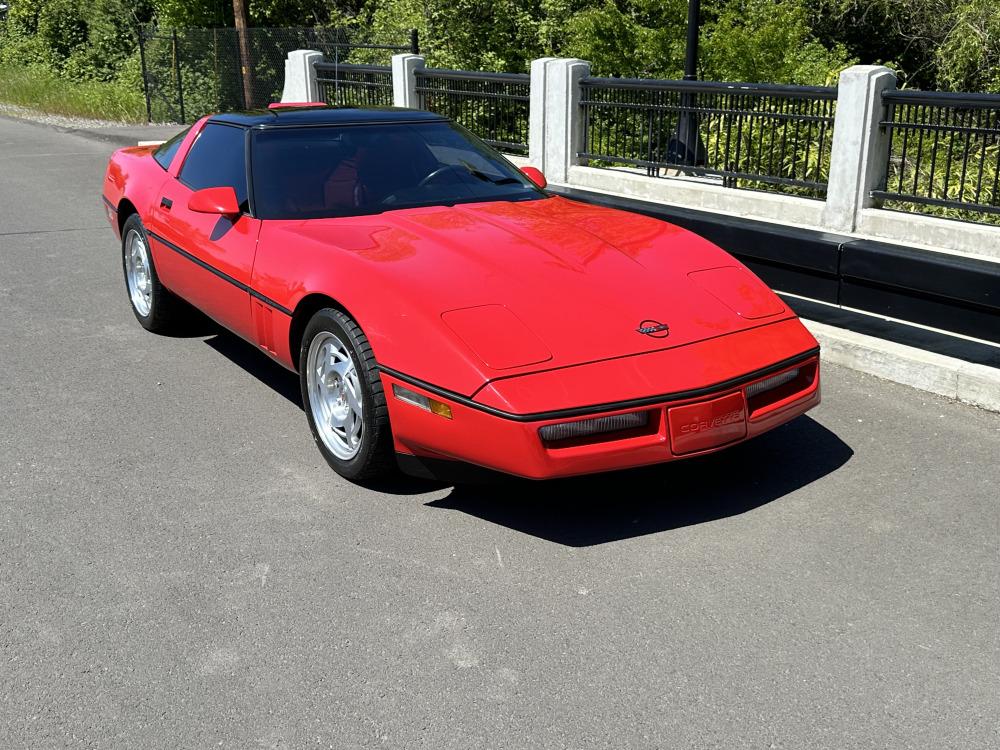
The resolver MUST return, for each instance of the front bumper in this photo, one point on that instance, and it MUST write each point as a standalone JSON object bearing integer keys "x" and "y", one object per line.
{"x": 676, "y": 426}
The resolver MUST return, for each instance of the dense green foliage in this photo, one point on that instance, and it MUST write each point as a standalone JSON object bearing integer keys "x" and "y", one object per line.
{"x": 71, "y": 57}
{"x": 748, "y": 40}
{"x": 38, "y": 88}
{"x": 943, "y": 44}
{"x": 934, "y": 44}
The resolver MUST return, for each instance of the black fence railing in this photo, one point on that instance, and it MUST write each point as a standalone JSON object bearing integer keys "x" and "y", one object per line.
{"x": 354, "y": 85}
{"x": 187, "y": 73}
{"x": 748, "y": 135}
{"x": 494, "y": 106}
{"x": 943, "y": 153}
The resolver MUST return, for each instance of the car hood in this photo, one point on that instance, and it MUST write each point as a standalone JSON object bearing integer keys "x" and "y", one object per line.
{"x": 552, "y": 283}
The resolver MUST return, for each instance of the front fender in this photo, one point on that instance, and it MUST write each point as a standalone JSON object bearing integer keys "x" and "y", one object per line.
{"x": 403, "y": 326}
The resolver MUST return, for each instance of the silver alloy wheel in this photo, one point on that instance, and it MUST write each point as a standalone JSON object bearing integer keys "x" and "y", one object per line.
{"x": 137, "y": 273}
{"x": 334, "y": 395}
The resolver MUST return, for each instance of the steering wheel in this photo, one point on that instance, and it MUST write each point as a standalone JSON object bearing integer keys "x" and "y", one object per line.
{"x": 444, "y": 169}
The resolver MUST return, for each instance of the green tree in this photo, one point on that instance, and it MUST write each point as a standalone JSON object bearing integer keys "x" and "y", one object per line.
{"x": 499, "y": 35}
{"x": 768, "y": 40}
{"x": 79, "y": 40}
{"x": 635, "y": 38}
{"x": 968, "y": 58}
{"x": 931, "y": 44}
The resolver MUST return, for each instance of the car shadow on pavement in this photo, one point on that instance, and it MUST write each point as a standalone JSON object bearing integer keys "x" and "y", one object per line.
{"x": 257, "y": 364}
{"x": 596, "y": 509}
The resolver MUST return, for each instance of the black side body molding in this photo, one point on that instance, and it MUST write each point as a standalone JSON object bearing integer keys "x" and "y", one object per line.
{"x": 224, "y": 276}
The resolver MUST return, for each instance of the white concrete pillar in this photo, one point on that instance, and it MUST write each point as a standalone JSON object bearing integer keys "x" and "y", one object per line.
{"x": 404, "y": 80}
{"x": 860, "y": 146}
{"x": 536, "y": 112}
{"x": 300, "y": 76}
{"x": 563, "y": 118}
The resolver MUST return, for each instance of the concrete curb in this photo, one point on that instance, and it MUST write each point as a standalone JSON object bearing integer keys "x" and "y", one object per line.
{"x": 127, "y": 136}
{"x": 946, "y": 376}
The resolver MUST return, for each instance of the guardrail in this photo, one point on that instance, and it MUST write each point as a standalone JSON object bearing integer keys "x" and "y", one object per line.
{"x": 492, "y": 105}
{"x": 943, "y": 152}
{"x": 748, "y": 135}
{"x": 355, "y": 85}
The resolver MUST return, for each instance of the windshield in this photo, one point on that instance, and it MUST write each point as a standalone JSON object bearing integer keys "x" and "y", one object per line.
{"x": 320, "y": 172}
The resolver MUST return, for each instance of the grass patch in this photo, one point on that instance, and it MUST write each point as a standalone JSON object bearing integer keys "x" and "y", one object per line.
{"x": 42, "y": 90}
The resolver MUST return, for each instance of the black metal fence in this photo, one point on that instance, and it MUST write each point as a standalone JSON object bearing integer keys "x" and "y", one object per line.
{"x": 943, "y": 153}
{"x": 354, "y": 85}
{"x": 756, "y": 136}
{"x": 191, "y": 72}
{"x": 494, "y": 106}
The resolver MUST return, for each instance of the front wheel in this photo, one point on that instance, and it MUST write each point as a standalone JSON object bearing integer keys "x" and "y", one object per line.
{"x": 343, "y": 397}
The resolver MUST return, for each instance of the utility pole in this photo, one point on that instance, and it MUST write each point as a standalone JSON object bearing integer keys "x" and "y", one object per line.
{"x": 242, "y": 19}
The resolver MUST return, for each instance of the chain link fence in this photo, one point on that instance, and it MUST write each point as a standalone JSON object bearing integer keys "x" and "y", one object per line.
{"x": 188, "y": 73}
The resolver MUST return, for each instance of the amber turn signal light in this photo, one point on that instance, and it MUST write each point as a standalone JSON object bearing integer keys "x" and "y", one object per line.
{"x": 424, "y": 402}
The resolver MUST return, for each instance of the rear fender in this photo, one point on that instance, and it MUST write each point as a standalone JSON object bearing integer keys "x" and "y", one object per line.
{"x": 131, "y": 184}
{"x": 133, "y": 180}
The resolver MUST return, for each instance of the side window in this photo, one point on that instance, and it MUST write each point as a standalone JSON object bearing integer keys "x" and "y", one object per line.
{"x": 165, "y": 152}
{"x": 217, "y": 159}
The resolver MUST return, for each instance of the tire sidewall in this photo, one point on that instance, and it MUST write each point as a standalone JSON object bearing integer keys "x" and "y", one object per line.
{"x": 373, "y": 435}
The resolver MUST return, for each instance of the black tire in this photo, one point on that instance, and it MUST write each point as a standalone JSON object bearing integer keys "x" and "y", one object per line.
{"x": 167, "y": 313}
{"x": 375, "y": 456}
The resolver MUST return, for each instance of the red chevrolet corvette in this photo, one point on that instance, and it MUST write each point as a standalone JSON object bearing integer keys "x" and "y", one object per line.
{"x": 437, "y": 303}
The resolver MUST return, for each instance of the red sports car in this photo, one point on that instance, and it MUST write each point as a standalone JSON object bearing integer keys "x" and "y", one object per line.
{"x": 437, "y": 303}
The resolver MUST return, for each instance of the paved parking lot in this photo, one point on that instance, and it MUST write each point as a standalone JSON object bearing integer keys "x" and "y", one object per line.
{"x": 179, "y": 567}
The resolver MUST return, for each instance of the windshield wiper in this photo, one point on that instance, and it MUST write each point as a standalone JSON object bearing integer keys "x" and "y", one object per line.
{"x": 486, "y": 178}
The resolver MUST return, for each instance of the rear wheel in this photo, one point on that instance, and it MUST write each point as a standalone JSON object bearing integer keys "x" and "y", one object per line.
{"x": 154, "y": 306}
{"x": 343, "y": 397}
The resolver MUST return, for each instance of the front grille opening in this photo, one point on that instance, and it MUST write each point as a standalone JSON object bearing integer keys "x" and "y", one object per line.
{"x": 768, "y": 391}
{"x": 599, "y": 429}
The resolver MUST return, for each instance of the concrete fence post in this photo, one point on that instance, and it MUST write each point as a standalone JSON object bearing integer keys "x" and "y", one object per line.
{"x": 404, "y": 80}
{"x": 536, "y": 112}
{"x": 860, "y": 147}
{"x": 563, "y": 118}
{"x": 300, "y": 76}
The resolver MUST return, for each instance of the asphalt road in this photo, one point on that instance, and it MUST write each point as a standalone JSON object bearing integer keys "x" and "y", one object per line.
{"x": 179, "y": 568}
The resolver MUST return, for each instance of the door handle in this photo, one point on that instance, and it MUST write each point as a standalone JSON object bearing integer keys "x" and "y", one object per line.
{"x": 166, "y": 203}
